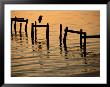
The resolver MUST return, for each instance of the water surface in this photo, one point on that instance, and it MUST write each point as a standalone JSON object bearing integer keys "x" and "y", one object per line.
{"x": 33, "y": 60}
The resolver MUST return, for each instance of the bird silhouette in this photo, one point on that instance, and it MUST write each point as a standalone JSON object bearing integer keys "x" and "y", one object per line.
{"x": 40, "y": 18}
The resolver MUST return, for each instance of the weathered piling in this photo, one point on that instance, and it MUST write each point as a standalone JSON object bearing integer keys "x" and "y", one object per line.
{"x": 60, "y": 36}
{"x": 81, "y": 33}
{"x": 26, "y": 27}
{"x": 64, "y": 39}
{"x": 81, "y": 39}
{"x": 32, "y": 33}
{"x": 20, "y": 29}
{"x": 35, "y": 32}
{"x": 18, "y": 20}
{"x": 15, "y": 27}
{"x": 11, "y": 27}
{"x": 60, "y": 39}
{"x": 85, "y": 44}
{"x": 47, "y": 36}
{"x": 64, "y": 42}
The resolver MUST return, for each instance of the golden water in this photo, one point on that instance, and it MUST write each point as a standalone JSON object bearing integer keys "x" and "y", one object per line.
{"x": 35, "y": 60}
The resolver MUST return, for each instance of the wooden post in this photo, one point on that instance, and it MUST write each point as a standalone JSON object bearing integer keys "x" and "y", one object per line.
{"x": 81, "y": 39}
{"x": 32, "y": 33}
{"x": 20, "y": 29}
{"x": 15, "y": 25}
{"x": 85, "y": 44}
{"x": 26, "y": 27}
{"x": 35, "y": 32}
{"x": 60, "y": 37}
{"x": 64, "y": 39}
{"x": 47, "y": 36}
{"x": 11, "y": 28}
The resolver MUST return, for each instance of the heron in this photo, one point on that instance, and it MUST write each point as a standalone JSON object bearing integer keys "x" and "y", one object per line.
{"x": 40, "y": 18}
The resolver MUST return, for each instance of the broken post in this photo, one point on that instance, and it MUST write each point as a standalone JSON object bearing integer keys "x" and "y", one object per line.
{"x": 60, "y": 37}
{"x": 81, "y": 39}
{"x": 11, "y": 28}
{"x": 20, "y": 29}
{"x": 32, "y": 33}
{"x": 47, "y": 36}
{"x": 64, "y": 39}
{"x": 26, "y": 27}
{"x": 85, "y": 44}
{"x": 35, "y": 32}
{"x": 15, "y": 25}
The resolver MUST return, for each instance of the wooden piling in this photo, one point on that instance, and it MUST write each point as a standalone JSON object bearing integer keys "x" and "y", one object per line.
{"x": 32, "y": 33}
{"x": 11, "y": 28}
{"x": 85, "y": 44}
{"x": 20, "y": 29}
{"x": 81, "y": 39}
{"x": 15, "y": 27}
{"x": 64, "y": 39}
{"x": 47, "y": 36}
{"x": 60, "y": 37}
{"x": 26, "y": 27}
{"x": 35, "y": 32}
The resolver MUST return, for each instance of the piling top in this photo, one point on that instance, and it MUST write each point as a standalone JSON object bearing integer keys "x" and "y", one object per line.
{"x": 26, "y": 20}
{"x": 66, "y": 28}
{"x": 81, "y": 30}
{"x": 47, "y": 24}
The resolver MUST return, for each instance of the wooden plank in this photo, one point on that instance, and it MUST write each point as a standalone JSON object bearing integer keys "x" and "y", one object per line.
{"x": 78, "y": 32}
{"x": 40, "y": 25}
{"x": 21, "y": 20}
{"x": 92, "y": 36}
{"x": 15, "y": 19}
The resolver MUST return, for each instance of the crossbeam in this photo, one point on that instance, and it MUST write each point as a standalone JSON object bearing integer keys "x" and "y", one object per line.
{"x": 40, "y": 25}
{"x": 21, "y": 20}
{"x": 92, "y": 36}
{"x": 78, "y": 32}
{"x": 15, "y": 19}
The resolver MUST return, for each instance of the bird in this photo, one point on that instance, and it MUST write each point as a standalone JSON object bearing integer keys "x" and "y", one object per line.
{"x": 40, "y": 18}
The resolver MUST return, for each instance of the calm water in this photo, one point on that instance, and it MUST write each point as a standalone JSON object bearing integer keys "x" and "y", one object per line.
{"x": 32, "y": 60}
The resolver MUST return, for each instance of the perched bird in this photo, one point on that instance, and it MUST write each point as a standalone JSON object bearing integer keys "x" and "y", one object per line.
{"x": 40, "y": 18}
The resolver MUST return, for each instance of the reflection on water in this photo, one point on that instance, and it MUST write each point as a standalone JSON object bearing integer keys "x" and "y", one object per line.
{"x": 31, "y": 59}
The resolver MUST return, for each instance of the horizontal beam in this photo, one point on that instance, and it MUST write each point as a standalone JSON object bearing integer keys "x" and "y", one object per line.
{"x": 78, "y": 32}
{"x": 14, "y": 19}
{"x": 40, "y": 25}
{"x": 92, "y": 36}
{"x": 21, "y": 20}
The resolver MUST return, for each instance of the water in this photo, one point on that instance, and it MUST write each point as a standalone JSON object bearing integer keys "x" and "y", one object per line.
{"x": 33, "y": 60}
